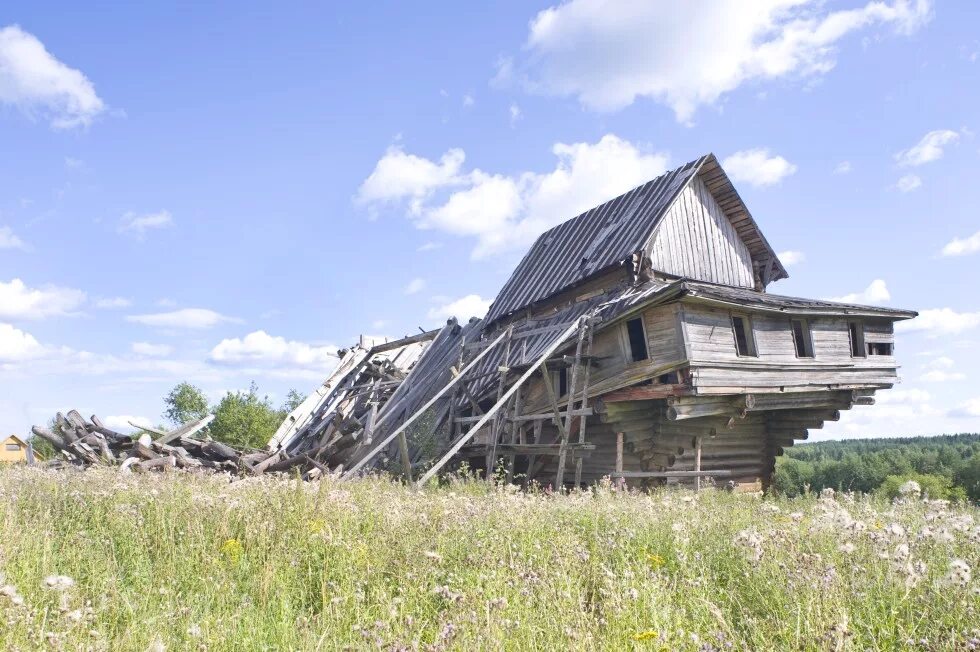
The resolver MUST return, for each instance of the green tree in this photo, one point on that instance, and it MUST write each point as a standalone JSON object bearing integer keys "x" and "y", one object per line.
{"x": 184, "y": 403}
{"x": 293, "y": 400}
{"x": 245, "y": 419}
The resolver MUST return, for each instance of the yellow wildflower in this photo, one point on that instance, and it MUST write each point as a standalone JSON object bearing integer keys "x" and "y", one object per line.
{"x": 232, "y": 550}
{"x": 656, "y": 560}
{"x": 317, "y": 525}
{"x": 646, "y": 636}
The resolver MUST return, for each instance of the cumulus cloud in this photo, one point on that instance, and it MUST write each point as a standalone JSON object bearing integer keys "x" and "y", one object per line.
{"x": 152, "y": 350}
{"x": 963, "y": 246}
{"x": 940, "y": 376}
{"x": 941, "y": 321}
{"x": 789, "y": 258}
{"x": 415, "y": 286}
{"x": 398, "y": 176}
{"x": 183, "y": 318}
{"x": 111, "y": 303}
{"x": 9, "y": 240}
{"x": 506, "y": 212}
{"x": 967, "y": 410}
{"x": 928, "y": 149}
{"x": 875, "y": 293}
{"x": 34, "y": 81}
{"x": 757, "y": 167}
{"x": 472, "y": 305}
{"x": 908, "y": 183}
{"x": 16, "y": 345}
{"x": 263, "y": 350}
{"x": 688, "y": 54}
{"x": 17, "y": 301}
{"x": 139, "y": 223}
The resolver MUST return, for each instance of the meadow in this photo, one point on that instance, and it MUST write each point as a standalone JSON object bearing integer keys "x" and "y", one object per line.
{"x": 97, "y": 560}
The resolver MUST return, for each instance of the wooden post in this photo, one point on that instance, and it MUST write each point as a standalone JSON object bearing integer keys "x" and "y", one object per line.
{"x": 563, "y": 448}
{"x": 403, "y": 453}
{"x": 497, "y": 423}
{"x": 697, "y": 462}
{"x": 620, "y": 480}
{"x": 585, "y": 400}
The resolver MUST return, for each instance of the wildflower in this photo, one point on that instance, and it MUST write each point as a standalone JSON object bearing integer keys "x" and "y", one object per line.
{"x": 434, "y": 556}
{"x": 232, "y": 550}
{"x": 914, "y": 572}
{"x": 646, "y": 635}
{"x": 632, "y": 593}
{"x": 752, "y": 541}
{"x": 959, "y": 573}
{"x": 827, "y": 493}
{"x": 656, "y": 561}
{"x": 58, "y": 582}
{"x": 902, "y": 551}
{"x": 194, "y": 631}
{"x": 895, "y": 529}
{"x": 910, "y": 489}
{"x": 846, "y": 547}
{"x": 316, "y": 526}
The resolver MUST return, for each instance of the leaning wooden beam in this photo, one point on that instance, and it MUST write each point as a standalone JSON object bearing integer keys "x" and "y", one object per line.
{"x": 387, "y": 440}
{"x": 405, "y": 341}
{"x": 186, "y": 430}
{"x": 560, "y": 475}
{"x": 585, "y": 400}
{"x": 554, "y": 346}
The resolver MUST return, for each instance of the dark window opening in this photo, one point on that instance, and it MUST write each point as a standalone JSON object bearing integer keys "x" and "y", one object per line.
{"x": 856, "y": 331}
{"x": 13, "y": 447}
{"x": 744, "y": 345}
{"x": 670, "y": 378}
{"x": 638, "y": 339}
{"x": 562, "y": 382}
{"x": 802, "y": 338}
{"x": 879, "y": 348}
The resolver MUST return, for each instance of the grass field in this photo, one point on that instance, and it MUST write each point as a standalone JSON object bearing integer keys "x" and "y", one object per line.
{"x": 97, "y": 560}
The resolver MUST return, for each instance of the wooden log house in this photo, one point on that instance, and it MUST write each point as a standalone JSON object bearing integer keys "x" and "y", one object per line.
{"x": 637, "y": 341}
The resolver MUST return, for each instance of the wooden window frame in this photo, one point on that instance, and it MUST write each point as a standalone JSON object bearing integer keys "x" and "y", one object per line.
{"x": 856, "y": 328}
{"x": 872, "y": 348}
{"x": 12, "y": 447}
{"x": 628, "y": 344}
{"x": 752, "y": 349}
{"x": 807, "y": 333}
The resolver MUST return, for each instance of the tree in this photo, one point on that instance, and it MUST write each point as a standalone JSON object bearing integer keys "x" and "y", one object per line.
{"x": 243, "y": 419}
{"x": 185, "y": 402}
{"x": 293, "y": 400}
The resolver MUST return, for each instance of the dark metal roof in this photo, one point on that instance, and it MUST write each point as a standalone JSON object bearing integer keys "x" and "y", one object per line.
{"x": 607, "y": 235}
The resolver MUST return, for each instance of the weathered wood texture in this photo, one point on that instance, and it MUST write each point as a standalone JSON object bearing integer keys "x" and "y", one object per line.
{"x": 697, "y": 240}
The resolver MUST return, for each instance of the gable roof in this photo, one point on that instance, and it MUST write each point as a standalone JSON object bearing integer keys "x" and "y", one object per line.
{"x": 605, "y": 236}
{"x": 15, "y": 437}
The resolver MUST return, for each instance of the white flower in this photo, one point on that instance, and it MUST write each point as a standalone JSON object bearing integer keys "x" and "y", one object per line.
{"x": 910, "y": 489}
{"x": 846, "y": 548}
{"x": 902, "y": 551}
{"x": 895, "y": 529}
{"x": 194, "y": 631}
{"x": 58, "y": 582}
{"x": 959, "y": 573}
{"x": 827, "y": 494}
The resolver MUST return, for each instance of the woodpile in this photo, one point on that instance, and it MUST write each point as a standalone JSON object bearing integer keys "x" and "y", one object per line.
{"x": 86, "y": 443}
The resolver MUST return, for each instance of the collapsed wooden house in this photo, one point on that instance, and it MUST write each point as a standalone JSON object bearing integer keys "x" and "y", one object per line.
{"x": 636, "y": 340}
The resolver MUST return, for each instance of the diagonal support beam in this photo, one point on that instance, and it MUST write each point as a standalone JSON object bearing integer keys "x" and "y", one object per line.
{"x": 387, "y": 440}
{"x": 554, "y": 346}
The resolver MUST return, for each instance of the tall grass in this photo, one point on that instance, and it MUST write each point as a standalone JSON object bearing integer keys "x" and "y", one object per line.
{"x": 96, "y": 560}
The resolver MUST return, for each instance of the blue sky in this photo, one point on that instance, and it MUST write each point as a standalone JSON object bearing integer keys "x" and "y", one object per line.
{"x": 228, "y": 193}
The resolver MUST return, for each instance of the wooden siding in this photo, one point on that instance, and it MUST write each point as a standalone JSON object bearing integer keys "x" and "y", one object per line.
{"x": 714, "y": 362}
{"x": 697, "y": 240}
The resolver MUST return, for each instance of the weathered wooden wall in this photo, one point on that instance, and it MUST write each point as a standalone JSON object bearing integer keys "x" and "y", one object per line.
{"x": 697, "y": 240}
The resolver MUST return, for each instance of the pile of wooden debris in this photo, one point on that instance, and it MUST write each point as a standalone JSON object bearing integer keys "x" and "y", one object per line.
{"x": 82, "y": 442}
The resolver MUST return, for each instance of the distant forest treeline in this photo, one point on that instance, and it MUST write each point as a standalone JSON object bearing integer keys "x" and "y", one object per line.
{"x": 945, "y": 467}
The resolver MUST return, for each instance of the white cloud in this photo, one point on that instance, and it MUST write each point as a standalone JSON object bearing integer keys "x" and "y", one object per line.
{"x": 166, "y": 303}
{"x": 929, "y": 148}
{"x": 398, "y": 175}
{"x": 17, "y": 301}
{"x": 415, "y": 285}
{"x": 843, "y": 167}
{"x": 152, "y": 350}
{"x": 468, "y": 100}
{"x": 757, "y": 168}
{"x": 139, "y": 224}
{"x": 110, "y": 303}
{"x": 472, "y": 305}
{"x": 183, "y": 318}
{"x": 789, "y": 258}
{"x": 428, "y": 246}
{"x": 122, "y": 422}
{"x": 9, "y": 240}
{"x": 967, "y": 410}
{"x": 515, "y": 113}
{"x": 264, "y": 350}
{"x": 875, "y": 293}
{"x": 963, "y": 246}
{"x": 688, "y": 54}
{"x": 506, "y": 212}
{"x": 908, "y": 183}
{"x": 942, "y": 362}
{"x": 16, "y": 345}
{"x": 35, "y": 82}
{"x": 941, "y": 321}
{"x": 940, "y": 376}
